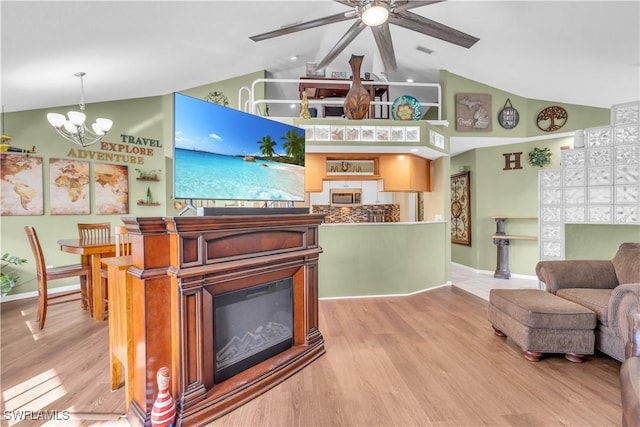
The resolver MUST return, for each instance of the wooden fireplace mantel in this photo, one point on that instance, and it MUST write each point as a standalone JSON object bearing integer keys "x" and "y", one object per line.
{"x": 179, "y": 265}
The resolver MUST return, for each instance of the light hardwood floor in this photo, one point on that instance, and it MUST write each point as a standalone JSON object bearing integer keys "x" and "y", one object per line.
{"x": 429, "y": 359}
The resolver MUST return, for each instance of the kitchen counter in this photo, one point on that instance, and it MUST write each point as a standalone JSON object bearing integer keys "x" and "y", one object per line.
{"x": 395, "y": 258}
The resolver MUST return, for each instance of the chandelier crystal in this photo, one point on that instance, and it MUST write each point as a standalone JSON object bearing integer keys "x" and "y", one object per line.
{"x": 73, "y": 127}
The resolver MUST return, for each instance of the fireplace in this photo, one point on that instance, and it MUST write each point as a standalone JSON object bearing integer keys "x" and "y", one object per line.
{"x": 229, "y": 303}
{"x": 251, "y": 325}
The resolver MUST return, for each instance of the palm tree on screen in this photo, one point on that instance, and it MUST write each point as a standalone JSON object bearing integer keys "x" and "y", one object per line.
{"x": 266, "y": 146}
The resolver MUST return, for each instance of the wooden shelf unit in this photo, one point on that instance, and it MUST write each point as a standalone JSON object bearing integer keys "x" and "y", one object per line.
{"x": 502, "y": 240}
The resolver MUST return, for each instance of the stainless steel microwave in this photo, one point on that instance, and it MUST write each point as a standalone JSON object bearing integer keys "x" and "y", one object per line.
{"x": 346, "y": 197}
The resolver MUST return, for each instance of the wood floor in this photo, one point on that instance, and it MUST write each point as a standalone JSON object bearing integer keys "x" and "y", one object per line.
{"x": 429, "y": 359}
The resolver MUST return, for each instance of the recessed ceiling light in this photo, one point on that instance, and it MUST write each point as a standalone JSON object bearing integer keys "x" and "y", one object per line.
{"x": 293, "y": 58}
{"x": 409, "y": 80}
{"x": 293, "y": 105}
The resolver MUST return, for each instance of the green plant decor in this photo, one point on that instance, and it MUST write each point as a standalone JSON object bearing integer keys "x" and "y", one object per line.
{"x": 152, "y": 174}
{"x": 8, "y": 279}
{"x": 540, "y": 157}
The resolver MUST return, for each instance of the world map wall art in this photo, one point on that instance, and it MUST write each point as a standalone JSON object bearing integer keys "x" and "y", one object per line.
{"x": 69, "y": 187}
{"x": 21, "y": 190}
{"x": 111, "y": 189}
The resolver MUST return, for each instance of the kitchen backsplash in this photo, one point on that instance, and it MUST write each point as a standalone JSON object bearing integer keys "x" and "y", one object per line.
{"x": 364, "y": 213}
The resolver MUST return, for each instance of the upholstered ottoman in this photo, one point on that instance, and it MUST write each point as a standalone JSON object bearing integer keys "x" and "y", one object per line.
{"x": 540, "y": 322}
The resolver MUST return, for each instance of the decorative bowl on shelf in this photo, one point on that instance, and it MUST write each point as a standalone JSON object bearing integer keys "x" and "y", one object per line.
{"x": 406, "y": 107}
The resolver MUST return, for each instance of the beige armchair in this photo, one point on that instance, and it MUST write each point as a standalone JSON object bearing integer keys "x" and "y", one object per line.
{"x": 610, "y": 288}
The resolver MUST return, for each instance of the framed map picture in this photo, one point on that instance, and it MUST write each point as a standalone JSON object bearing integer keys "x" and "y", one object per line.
{"x": 111, "y": 189}
{"x": 69, "y": 187}
{"x": 21, "y": 189}
{"x": 461, "y": 209}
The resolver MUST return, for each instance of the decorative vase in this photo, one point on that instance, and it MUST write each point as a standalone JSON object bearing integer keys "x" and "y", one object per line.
{"x": 356, "y": 105}
{"x": 304, "y": 106}
{"x": 163, "y": 412}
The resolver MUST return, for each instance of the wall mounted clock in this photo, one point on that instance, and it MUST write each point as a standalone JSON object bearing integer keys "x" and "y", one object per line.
{"x": 552, "y": 118}
{"x": 508, "y": 117}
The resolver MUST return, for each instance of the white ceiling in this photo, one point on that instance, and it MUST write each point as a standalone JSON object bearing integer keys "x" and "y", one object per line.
{"x": 580, "y": 52}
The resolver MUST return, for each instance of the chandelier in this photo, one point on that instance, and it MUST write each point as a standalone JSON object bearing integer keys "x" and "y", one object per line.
{"x": 73, "y": 128}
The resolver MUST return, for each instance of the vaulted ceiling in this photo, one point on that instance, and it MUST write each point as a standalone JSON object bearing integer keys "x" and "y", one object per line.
{"x": 580, "y": 52}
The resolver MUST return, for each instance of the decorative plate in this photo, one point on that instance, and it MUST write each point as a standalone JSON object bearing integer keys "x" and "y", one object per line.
{"x": 406, "y": 107}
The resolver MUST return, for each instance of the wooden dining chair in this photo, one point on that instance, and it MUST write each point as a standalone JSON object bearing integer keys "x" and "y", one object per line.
{"x": 123, "y": 241}
{"x": 123, "y": 248}
{"x": 45, "y": 274}
{"x": 95, "y": 231}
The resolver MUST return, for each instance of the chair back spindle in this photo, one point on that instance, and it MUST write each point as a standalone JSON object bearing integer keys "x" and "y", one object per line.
{"x": 94, "y": 231}
{"x": 123, "y": 241}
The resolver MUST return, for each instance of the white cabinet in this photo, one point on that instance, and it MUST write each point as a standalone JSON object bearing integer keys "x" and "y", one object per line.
{"x": 372, "y": 193}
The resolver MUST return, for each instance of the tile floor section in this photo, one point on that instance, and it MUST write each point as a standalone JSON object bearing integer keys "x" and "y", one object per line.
{"x": 481, "y": 282}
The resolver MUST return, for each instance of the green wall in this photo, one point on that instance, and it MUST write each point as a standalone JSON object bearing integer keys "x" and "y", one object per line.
{"x": 495, "y": 191}
{"x": 381, "y": 259}
{"x": 150, "y": 118}
{"x": 597, "y": 241}
{"x": 579, "y": 117}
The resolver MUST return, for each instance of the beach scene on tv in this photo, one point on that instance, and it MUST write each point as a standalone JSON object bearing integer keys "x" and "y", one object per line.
{"x": 226, "y": 154}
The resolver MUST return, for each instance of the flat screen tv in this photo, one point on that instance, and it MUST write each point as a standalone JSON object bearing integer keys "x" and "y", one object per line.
{"x": 226, "y": 154}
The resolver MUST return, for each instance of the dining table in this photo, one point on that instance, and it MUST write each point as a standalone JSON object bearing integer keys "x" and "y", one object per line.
{"x": 93, "y": 250}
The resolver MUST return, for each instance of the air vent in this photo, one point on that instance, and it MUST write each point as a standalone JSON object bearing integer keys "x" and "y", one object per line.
{"x": 424, "y": 49}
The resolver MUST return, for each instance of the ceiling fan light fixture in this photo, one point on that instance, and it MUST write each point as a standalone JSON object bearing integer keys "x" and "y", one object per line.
{"x": 374, "y": 13}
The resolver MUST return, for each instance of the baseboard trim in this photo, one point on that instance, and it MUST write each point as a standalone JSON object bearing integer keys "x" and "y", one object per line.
{"x": 388, "y": 295}
{"x": 490, "y": 273}
{"x": 32, "y": 294}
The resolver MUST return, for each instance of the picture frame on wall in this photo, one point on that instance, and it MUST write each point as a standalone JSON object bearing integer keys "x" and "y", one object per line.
{"x": 21, "y": 188}
{"x": 69, "y": 187}
{"x": 461, "y": 208}
{"x": 473, "y": 112}
{"x": 111, "y": 188}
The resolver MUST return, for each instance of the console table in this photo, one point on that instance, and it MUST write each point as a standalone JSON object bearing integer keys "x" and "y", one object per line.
{"x": 338, "y": 88}
{"x": 502, "y": 240}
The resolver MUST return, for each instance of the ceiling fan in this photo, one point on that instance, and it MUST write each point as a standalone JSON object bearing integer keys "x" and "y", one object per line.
{"x": 377, "y": 14}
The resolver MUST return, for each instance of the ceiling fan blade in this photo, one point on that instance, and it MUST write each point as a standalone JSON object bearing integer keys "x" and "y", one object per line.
{"x": 331, "y": 19}
{"x": 382, "y": 35}
{"x": 344, "y": 41}
{"x": 400, "y": 5}
{"x": 431, "y": 28}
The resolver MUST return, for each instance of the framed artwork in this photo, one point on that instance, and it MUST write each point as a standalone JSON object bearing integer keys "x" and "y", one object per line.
{"x": 69, "y": 187}
{"x": 309, "y": 134}
{"x": 383, "y": 133}
{"x": 461, "y": 209}
{"x": 21, "y": 188}
{"x": 111, "y": 189}
{"x": 412, "y": 134}
{"x": 473, "y": 112}
{"x": 337, "y": 133}
{"x": 352, "y": 133}
{"x": 397, "y": 133}
{"x": 322, "y": 133}
{"x": 368, "y": 133}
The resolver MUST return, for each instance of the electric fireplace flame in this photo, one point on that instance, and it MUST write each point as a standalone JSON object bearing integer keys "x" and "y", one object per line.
{"x": 252, "y": 343}
{"x": 250, "y": 325}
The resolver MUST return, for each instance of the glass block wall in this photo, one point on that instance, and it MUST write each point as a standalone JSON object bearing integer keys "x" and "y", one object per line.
{"x": 596, "y": 184}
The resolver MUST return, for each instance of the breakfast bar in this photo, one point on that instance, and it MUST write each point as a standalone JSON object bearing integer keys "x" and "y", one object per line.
{"x": 395, "y": 258}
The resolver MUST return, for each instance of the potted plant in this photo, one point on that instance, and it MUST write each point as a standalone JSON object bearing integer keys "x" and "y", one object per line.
{"x": 8, "y": 279}
{"x": 151, "y": 175}
{"x": 540, "y": 157}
